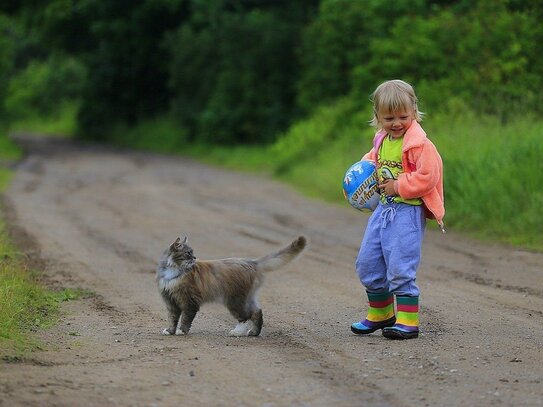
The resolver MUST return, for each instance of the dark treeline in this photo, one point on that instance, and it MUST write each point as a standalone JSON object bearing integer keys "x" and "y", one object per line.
{"x": 242, "y": 71}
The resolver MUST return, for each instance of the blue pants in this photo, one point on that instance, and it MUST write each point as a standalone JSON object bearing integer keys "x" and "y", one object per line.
{"x": 391, "y": 249}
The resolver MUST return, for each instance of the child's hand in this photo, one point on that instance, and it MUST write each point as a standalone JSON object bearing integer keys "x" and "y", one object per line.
{"x": 388, "y": 187}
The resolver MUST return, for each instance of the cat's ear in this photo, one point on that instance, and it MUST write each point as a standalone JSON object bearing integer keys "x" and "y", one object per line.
{"x": 176, "y": 244}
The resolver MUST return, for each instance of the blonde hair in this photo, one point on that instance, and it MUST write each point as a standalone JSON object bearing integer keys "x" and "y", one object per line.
{"x": 393, "y": 96}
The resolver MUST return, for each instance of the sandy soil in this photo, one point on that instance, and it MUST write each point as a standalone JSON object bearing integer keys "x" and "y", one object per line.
{"x": 98, "y": 219}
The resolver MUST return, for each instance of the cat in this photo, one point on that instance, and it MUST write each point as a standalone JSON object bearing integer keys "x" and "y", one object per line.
{"x": 185, "y": 283}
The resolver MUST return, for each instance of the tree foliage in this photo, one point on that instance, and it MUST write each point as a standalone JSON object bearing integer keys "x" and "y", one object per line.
{"x": 233, "y": 69}
{"x": 118, "y": 41}
{"x": 242, "y": 71}
{"x": 6, "y": 59}
{"x": 483, "y": 56}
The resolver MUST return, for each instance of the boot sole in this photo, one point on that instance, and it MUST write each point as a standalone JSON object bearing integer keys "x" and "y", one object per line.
{"x": 372, "y": 330}
{"x": 397, "y": 334}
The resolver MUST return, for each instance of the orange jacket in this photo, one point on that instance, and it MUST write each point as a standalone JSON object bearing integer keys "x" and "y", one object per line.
{"x": 422, "y": 175}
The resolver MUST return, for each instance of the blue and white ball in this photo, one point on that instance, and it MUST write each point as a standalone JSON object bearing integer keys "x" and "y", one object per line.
{"x": 360, "y": 186}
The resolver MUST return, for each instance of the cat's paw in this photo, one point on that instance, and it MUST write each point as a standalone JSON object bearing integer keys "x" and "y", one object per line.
{"x": 178, "y": 332}
{"x": 247, "y": 328}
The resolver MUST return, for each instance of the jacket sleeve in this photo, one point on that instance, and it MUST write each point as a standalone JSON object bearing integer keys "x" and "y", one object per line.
{"x": 370, "y": 156}
{"x": 423, "y": 172}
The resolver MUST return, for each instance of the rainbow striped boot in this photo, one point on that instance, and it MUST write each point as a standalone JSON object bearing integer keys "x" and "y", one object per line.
{"x": 407, "y": 322}
{"x": 380, "y": 314}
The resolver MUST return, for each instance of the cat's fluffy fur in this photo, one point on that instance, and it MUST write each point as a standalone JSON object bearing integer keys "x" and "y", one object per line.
{"x": 186, "y": 283}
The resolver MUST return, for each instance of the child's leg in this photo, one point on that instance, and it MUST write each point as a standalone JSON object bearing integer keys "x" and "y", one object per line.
{"x": 370, "y": 264}
{"x": 402, "y": 243}
{"x": 402, "y": 249}
{"x": 380, "y": 314}
{"x": 371, "y": 269}
{"x": 407, "y": 322}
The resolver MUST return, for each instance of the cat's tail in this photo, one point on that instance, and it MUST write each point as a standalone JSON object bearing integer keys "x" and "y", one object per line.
{"x": 283, "y": 256}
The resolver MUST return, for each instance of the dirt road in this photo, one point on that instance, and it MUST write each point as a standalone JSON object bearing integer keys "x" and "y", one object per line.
{"x": 99, "y": 219}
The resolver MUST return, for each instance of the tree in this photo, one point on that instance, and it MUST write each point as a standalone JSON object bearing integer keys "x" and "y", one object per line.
{"x": 119, "y": 43}
{"x": 6, "y": 59}
{"x": 339, "y": 41}
{"x": 234, "y": 69}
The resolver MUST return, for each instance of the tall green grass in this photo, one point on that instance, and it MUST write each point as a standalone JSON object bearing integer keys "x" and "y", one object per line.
{"x": 160, "y": 135}
{"x": 25, "y": 305}
{"x": 491, "y": 169}
{"x": 61, "y": 123}
{"x": 8, "y": 150}
{"x": 314, "y": 153}
{"x": 163, "y": 135}
{"x": 492, "y": 173}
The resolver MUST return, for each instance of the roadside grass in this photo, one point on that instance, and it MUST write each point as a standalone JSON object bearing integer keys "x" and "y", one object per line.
{"x": 160, "y": 135}
{"x": 492, "y": 172}
{"x": 62, "y": 123}
{"x": 9, "y": 152}
{"x": 491, "y": 169}
{"x": 25, "y": 305}
{"x": 163, "y": 135}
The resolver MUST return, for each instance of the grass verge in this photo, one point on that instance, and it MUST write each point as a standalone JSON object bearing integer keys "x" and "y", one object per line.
{"x": 62, "y": 123}
{"x": 491, "y": 169}
{"x": 25, "y": 305}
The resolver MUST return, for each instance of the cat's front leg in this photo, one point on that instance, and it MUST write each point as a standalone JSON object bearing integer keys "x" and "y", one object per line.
{"x": 189, "y": 313}
{"x": 174, "y": 312}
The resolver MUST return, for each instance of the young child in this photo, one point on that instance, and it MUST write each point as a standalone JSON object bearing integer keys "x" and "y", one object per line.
{"x": 410, "y": 173}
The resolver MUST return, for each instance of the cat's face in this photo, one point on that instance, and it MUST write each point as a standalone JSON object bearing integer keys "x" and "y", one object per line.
{"x": 180, "y": 252}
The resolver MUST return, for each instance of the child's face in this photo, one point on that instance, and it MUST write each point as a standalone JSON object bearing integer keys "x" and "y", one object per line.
{"x": 396, "y": 123}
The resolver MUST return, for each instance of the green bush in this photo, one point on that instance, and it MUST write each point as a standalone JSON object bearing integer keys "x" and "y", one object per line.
{"x": 481, "y": 56}
{"x": 159, "y": 134}
{"x": 8, "y": 152}
{"x": 243, "y": 72}
{"x": 233, "y": 80}
{"x": 60, "y": 123}
{"x": 40, "y": 89}
{"x": 313, "y": 137}
{"x": 337, "y": 43}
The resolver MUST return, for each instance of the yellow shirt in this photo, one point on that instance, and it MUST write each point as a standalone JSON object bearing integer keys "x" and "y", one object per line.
{"x": 389, "y": 166}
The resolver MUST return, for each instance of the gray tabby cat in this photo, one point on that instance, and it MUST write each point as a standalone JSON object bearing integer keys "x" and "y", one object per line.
{"x": 186, "y": 283}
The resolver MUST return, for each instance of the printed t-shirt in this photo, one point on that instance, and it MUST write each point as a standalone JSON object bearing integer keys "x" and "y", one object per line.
{"x": 389, "y": 166}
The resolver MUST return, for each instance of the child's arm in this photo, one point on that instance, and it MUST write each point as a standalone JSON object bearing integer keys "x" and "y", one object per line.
{"x": 425, "y": 174}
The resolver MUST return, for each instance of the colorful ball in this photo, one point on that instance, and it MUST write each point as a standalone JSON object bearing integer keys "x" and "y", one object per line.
{"x": 360, "y": 186}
